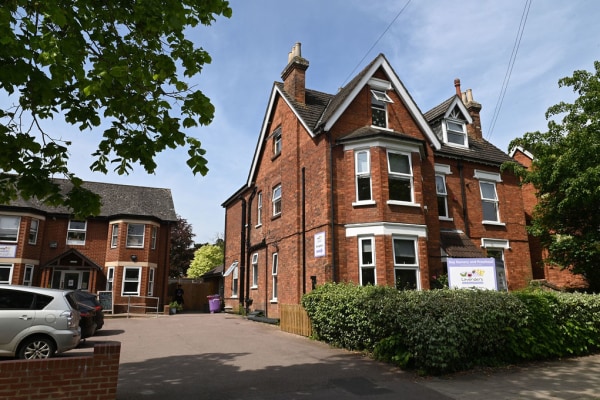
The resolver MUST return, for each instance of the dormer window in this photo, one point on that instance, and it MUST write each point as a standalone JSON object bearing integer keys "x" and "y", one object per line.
{"x": 456, "y": 132}
{"x": 379, "y": 100}
{"x": 455, "y": 129}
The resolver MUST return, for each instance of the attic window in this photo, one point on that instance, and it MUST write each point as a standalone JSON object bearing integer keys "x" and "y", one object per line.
{"x": 456, "y": 132}
{"x": 379, "y": 100}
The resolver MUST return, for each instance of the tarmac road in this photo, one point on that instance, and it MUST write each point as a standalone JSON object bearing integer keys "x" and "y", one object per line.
{"x": 227, "y": 357}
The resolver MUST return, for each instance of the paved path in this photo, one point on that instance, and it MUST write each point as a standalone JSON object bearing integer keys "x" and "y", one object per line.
{"x": 226, "y": 357}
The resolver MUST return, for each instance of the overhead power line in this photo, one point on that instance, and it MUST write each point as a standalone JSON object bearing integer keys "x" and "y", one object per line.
{"x": 375, "y": 44}
{"x": 511, "y": 64}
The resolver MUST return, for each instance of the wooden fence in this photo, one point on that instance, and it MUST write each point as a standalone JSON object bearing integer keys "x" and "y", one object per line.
{"x": 293, "y": 319}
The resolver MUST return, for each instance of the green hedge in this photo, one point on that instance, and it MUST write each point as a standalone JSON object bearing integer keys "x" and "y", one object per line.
{"x": 441, "y": 331}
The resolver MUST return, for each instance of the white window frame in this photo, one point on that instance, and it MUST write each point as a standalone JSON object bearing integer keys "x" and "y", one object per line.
{"x": 234, "y": 280}
{"x": 379, "y": 102}
{"x": 362, "y": 173}
{"x": 11, "y": 269}
{"x": 493, "y": 201}
{"x": 254, "y": 271}
{"x": 274, "y": 272}
{"x": 151, "y": 276}
{"x": 401, "y": 176}
{"x": 442, "y": 195}
{"x": 276, "y": 201}
{"x": 451, "y": 129}
{"x": 154, "y": 237}
{"x": 277, "y": 142}
{"x": 9, "y": 224}
{"x": 74, "y": 233}
{"x": 114, "y": 236}
{"x": 259, "y": 208}
{"x": 34, "y": 227}
{"x": 126, "y": 280}
{"x": 110, "y": 278}
{"x": 130, "y": 236}
{"x": 407, "y": 267}
{"x": 28, "y": 275}
{"x": 363, "y": 265}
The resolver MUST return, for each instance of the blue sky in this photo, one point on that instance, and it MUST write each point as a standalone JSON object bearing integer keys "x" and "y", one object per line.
{"x": 431, "y": 43}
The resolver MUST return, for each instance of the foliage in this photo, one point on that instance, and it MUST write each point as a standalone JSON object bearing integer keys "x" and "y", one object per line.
{"x": 176, "y": 305}
{"x": 440, "y": 331}
{"x": 566, "y": 175}
{"x": 205, "y": 258}
{"x": 182, "y": 251}
{"x": 125, "y": 65}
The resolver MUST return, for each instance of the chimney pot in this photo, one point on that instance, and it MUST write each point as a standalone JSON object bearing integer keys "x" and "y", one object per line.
{"x": 457, "y": 86}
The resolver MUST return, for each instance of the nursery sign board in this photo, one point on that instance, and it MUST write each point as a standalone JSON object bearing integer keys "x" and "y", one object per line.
{"x": 472, "y": 273}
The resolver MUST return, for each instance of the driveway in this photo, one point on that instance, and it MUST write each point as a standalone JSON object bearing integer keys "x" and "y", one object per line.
{"x": 223, "y": 356}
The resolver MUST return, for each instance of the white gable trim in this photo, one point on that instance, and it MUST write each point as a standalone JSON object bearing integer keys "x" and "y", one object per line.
{"x": 522, "y": 150}
{"x": 399, "y": 88}
{"x": 458, "y": 102}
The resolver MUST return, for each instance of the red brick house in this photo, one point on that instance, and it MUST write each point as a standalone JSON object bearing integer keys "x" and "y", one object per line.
{"x": 362, "y": 186}
{"x": 125, "y": 249}
{"x": 549, "y": 274}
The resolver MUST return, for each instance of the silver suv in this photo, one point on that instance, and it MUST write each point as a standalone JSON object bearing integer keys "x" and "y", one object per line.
{"x": 37, "y": 322}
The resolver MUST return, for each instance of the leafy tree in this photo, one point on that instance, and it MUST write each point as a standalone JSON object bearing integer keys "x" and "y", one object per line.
{"x": 205, "y": 258}
{"x": 566, "y": 175}
{"x": 124, "y": 64}
{"x": 182, "y": 250}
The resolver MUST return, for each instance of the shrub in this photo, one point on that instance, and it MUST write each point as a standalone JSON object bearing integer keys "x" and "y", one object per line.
{"x": 439, "y": 331}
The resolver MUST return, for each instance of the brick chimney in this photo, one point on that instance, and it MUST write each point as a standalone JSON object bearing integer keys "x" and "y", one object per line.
{"x": 294, "y": 74}
{"x": 474, "y": 129}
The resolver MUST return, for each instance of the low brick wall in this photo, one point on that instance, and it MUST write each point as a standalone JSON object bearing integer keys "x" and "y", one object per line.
{"x": 83, "y": 378}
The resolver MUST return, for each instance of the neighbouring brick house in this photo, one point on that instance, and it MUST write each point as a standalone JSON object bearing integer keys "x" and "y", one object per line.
{"x": 546, "y": 273}
{"x": 362, "y": 186}
{"x": 125, "y": 249}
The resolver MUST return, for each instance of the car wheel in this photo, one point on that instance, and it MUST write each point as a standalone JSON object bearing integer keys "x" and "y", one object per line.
{"x": 36, "y": 347}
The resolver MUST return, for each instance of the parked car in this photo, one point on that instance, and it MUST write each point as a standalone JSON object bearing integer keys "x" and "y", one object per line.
{"x": 91, "y": 312}
{"x": 37, "y": 322}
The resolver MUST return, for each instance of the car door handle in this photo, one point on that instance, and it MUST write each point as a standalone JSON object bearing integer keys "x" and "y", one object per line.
{"x": 25, "y": 317}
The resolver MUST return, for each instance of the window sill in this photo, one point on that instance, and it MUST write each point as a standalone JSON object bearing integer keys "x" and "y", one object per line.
{"x": 276, "y": 216}
{"x": 364, "y": 203}
{"x": 275, "y": 156}
{"x": 446, "y": 219}
{"x": 273, "y": 301}
{"x": 254, "y": 287}
{"x": 382, "y": 128}
{"x": 403, "y": 203}
{"x": 257, "y": 226}
{"x": 494, "y": 223}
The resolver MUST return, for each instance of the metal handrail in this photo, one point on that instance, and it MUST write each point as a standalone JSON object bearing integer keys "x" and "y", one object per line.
{"x": 134, "y": 305}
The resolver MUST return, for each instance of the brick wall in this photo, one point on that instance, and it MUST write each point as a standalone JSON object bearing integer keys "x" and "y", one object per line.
{"x": 83, "y": 378}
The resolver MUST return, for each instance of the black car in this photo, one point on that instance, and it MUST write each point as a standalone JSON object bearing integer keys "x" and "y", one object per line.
{"x": 91, "y": 312}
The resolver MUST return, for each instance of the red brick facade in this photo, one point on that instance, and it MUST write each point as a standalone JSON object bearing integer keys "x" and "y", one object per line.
{"x": 323, "y": 225}
{"x": 552, "y": 274}
{"x": 84, "y": 378}
{"x": 94, "y": 260}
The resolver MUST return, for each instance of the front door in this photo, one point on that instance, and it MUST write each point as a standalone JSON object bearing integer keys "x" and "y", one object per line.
{"x": 71, "y": 280}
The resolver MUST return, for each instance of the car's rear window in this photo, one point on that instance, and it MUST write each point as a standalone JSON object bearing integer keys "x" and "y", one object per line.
{"x": 71, "y": 300}
{"x": 15, "y": 300}
{"x": 41, "y": 301}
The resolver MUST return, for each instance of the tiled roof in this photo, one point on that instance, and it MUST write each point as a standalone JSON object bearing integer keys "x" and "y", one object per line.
{"x": 457, "y": 244}
{"x": 438, "y": 110}
{"x": 312, "y": 111}
{"x": 480, "y": 150}
{"x": 369, "y": 131}
{"x": 117, "y": 200}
